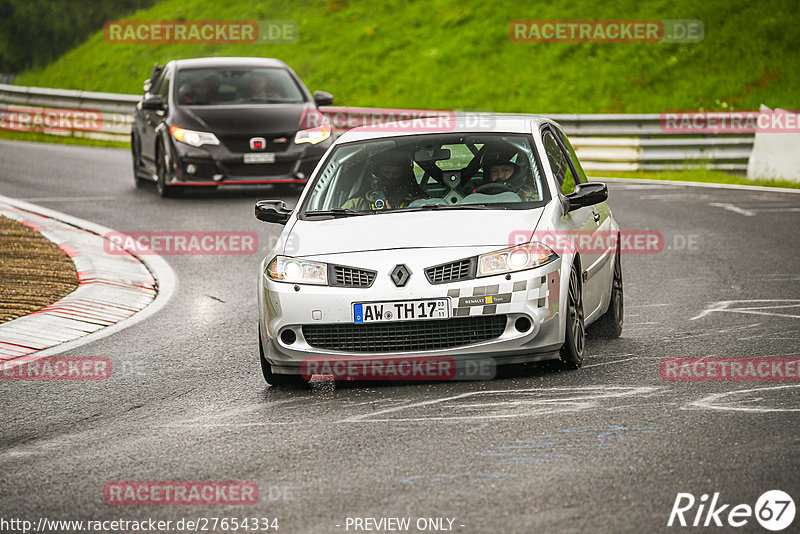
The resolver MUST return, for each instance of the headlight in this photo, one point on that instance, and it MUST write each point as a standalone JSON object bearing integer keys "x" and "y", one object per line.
{"x": 190, "y": 137}
{"x": 296, "y": 271}
{"x": 313, "y": 135}
{"x": 518, "y": 258}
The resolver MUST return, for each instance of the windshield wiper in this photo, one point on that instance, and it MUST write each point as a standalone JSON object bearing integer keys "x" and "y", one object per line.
{"x": 337, "y": 212}
{"x": 430, "y": 207}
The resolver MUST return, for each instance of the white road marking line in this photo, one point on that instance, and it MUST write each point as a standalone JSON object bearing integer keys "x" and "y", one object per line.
{"x": 763, "y": 313}
{"x": 609, "y": 363}
{"x": 775, "y": 210}
{"x": 660, "y": 183}
{"x": 710, "y": 402}
{"x": 67, "y": 199}
{"x": 725, "y": 306}
{"x": 733, "y": 208}
{"x": 646, "y": 305}
{"x": 587, "y": 397}
{"x": 675, "y": 196}
{"x": 772, "y": 335}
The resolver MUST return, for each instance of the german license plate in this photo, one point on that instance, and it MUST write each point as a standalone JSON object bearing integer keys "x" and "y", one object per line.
{"x": 403, "y": 310}
{"x": 261, "y": 157}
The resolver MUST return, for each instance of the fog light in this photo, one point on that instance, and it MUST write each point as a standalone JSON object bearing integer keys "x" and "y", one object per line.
{"x": 523, "y": 324}
{"x": 288, "y": 336}
{"x": 191, "y": 168}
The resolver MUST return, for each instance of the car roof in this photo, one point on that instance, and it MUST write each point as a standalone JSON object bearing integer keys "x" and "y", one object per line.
{"x": 229, "y": 62}
{"x": 450, "y": 123}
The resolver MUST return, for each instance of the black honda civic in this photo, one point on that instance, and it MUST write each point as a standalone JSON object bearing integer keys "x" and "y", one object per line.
{"x": 216, "y": 121}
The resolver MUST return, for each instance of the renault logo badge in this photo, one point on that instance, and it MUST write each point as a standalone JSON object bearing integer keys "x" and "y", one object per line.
{"x": 400, "y": 275}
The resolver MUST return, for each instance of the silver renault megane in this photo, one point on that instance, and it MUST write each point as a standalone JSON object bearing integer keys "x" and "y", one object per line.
{"x": 474, "y": 239}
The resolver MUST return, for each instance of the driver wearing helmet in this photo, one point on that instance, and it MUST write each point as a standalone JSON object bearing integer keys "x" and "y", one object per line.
{"x": 498, "y": 168}
{"x": 392, "y": 184}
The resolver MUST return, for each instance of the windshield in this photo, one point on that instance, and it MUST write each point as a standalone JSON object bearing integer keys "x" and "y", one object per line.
{"x": 435, "y": 171}
{"x": 228, "y": 86}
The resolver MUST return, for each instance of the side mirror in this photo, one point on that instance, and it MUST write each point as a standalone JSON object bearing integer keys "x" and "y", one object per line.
{"x": 321, "y": 98}
{"x": 153, "y": 103}
{"x": 587, "y": 194}
{"x": 274, "y": 211}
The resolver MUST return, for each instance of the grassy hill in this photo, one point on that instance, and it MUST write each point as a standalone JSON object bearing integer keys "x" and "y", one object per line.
{"x": 450, "y": 54}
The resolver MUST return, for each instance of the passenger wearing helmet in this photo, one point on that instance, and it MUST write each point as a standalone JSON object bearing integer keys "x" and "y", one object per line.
{"x": 498, "y": 168}
{"x": 199, "y": 92}
{"x": 391, "y": 183}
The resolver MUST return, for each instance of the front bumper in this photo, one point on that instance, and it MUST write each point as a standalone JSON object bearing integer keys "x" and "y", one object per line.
{"x": 212, "y": 165}
{"x": 533, "y": 295}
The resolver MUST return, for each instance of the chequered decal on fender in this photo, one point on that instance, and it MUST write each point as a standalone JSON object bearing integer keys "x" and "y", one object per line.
{"x": 506, "y": 297}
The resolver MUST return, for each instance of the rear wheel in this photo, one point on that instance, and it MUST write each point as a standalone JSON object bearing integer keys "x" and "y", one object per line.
{"x": 610, "y": 324}
{"x": 274, "y": 379}
{"x": 574, "y": 340}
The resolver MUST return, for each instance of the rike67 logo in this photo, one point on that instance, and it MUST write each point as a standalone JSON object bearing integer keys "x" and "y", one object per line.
{"x": 774, "y": 511}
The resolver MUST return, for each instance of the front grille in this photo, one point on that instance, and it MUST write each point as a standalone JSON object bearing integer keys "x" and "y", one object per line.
{"x": 405, "y": 336}
{"x": 351, "y": 276}
{"x": 451, "y": 272}
{"x": 241, "y": 143}
{"x": 255, "y": 170}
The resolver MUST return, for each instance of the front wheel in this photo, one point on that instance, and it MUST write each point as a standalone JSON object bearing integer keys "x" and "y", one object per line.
{"x": 574, "y": 340}
{"x": 274, "y": 379}
{"x": 135, "y": 156}
{"x": 163, "y": 167}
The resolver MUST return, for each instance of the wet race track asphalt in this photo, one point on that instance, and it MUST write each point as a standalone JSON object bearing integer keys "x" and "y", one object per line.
{"x": 606, "y": 448}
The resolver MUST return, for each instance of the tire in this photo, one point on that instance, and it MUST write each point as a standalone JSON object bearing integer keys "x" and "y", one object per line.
{"x": 274, "y": 379}
{"x": 135, "y": 156}
{"x": 610, "y": 324}
{"x": 575, "y": 337}
{"x": 164, "y": 190}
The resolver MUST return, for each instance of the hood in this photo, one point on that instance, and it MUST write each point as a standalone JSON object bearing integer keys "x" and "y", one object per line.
{"x": 254, "y": 120}
{"x": 462, "y": 228}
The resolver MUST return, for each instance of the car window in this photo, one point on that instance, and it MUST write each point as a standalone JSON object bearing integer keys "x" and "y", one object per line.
{"x": 576, "y": 164}
{"x": 383, "y": 175}
{"x": 150, "y": 87}
{"x": 559, "y": 163}
{"x": 163, "y": 88}
{"x": 237, "y": 85}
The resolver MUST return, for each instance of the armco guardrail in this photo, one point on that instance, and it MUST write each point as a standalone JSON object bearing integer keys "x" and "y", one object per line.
{"x": 604, "y": 142}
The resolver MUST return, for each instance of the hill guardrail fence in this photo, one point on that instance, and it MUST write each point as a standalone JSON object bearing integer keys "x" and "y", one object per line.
{"x": 603, "y": 142}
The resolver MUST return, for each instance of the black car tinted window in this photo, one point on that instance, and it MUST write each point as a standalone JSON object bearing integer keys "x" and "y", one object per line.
{"x": 237, "y": 85}
{"x": 163, "y": 88}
